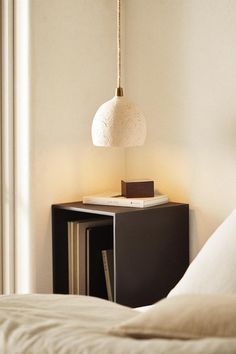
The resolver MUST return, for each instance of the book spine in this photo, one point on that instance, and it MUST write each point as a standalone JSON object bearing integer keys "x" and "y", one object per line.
{"x": 77, "y": 259}
{"x": 107, "y": 275}
{"x": 87, "y": 263}
{"x": 100, "y": 201}
{"x": 163, "y": 200}
{"x": 70, "y": 258}
{"x": 139, "y": 203}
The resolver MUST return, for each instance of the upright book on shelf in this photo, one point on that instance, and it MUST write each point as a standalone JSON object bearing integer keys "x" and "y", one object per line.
{"x": 77, "y": 252}
{"x": 98, "y": 239}
{"x": 108, "y": 264}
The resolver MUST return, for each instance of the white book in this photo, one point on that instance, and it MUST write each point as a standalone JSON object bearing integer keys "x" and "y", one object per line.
{"x": 77, "y": 252}
{"x": 116, "y": 199}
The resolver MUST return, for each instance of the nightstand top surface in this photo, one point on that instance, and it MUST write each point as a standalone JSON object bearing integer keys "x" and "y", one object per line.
{"x": 108, "y": 210}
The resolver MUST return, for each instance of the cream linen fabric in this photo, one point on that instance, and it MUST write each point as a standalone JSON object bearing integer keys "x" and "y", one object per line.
{"x": 213, "y": 269}
{"x": 185, "y": 317}
{"x": 71, "y": 324}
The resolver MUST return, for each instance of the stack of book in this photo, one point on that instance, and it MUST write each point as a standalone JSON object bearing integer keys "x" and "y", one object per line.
{"x": 115, "y": 199}
{"x": 90, "y": 257}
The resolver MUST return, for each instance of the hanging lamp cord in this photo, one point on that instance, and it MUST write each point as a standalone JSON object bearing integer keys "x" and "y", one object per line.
{"x": 119, "y": 91}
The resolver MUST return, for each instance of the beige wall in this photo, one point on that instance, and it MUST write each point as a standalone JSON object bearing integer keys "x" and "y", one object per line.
{"x": 179, "y": 68}
{"x": 72, "y": 73}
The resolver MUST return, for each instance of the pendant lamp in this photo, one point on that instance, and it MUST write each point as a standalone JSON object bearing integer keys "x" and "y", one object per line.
{"x": 118, "y": 122}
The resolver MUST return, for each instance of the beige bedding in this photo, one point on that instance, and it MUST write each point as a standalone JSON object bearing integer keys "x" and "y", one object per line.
{"x": 73, "y": 324}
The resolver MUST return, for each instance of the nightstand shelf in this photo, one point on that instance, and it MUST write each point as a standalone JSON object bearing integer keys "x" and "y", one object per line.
{"x": 151, "y": 248}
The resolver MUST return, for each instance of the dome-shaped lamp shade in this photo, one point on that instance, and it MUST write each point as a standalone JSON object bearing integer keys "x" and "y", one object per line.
{"x": 119, "y": 123}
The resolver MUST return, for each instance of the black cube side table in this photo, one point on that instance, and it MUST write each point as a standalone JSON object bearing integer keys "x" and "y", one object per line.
{"x": 151, "y": 248}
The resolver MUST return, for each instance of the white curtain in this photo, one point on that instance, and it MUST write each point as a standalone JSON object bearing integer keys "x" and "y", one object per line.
{"x": 7, "y": 150}
{"x": 15, "y": 269}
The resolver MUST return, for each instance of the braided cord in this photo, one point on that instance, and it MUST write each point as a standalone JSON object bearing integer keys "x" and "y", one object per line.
{"x": 118, "y": 44}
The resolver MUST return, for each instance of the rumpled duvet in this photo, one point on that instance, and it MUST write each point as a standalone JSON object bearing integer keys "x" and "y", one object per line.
{"x": 70, "y": 324}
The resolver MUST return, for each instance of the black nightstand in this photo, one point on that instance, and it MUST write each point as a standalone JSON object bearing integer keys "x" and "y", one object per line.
{"x": 151, "y": 248}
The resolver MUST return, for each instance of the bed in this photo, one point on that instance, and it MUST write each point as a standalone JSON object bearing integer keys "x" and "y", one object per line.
{"x": 78, "y": 324}
{"x": 203, "y": 304}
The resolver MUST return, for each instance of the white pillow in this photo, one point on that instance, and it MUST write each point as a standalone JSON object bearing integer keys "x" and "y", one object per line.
{"x": 184, "y": 317}
{"x": 213, "y": 271}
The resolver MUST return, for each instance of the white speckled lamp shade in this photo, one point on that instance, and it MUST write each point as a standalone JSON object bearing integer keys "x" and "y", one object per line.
{"x": 119, "y": 123}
